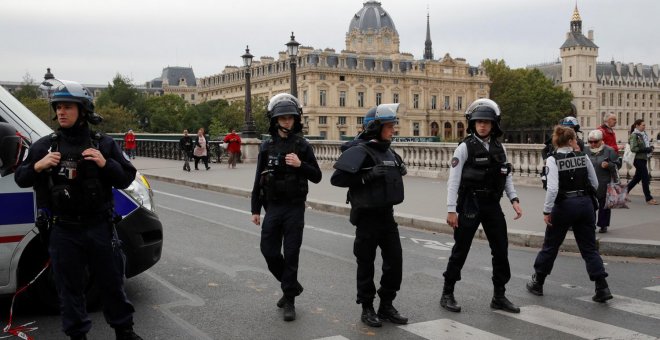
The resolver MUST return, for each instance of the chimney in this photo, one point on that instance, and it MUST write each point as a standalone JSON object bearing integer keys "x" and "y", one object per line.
{"x": 590, "y": 35}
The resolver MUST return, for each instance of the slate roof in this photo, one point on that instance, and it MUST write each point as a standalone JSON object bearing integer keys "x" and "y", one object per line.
{"x": 371, "y": 17}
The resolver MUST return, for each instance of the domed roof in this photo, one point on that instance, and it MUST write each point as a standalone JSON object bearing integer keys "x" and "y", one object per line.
{"x": 371, "y": 17}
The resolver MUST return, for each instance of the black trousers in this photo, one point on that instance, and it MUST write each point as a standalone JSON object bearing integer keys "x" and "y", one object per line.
{"x": 489, "y": 214}
{"x": 205, "y": 160}
{"x": 579, "y": 213}
{"x": 73, "y": 249}
{"x": 281, "y": 238}
{"x": 376, "y": 228}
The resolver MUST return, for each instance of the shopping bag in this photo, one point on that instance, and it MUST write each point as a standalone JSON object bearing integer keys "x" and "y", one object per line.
{"x": 615, "y": 198}
{"x": 628, "y": 156}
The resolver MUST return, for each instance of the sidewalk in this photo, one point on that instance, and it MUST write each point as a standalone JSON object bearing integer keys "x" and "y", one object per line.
{"x": 633, "y": 232}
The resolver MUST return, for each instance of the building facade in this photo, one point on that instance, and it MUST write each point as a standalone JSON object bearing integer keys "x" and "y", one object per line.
{"x": 337, "y": 88}
{"x": 629, "y": 90}
{"x": 176, "y": 80}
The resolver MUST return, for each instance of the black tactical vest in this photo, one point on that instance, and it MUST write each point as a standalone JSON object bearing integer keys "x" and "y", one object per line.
{"x": 573, "y": 174}
{"x": 74, "y": 184}
{"x": 484, "y": 169}
{"x": 382, "y": 192}
{"x": 279, "y": 181}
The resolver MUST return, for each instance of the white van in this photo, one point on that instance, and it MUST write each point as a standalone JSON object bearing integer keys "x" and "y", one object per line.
{"x": 23, "y": 255}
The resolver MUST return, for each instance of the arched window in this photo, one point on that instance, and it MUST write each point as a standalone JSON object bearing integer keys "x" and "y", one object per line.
{"x": 460, "y": 130}
{"x": 434, "y": 129}
{"x": 447, "y": 130}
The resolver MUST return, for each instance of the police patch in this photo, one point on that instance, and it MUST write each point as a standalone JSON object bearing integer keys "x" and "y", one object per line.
{"x": 454, "y": 162}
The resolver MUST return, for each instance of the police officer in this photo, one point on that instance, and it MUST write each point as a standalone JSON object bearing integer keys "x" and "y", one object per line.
{"x": 186, "y": 145}
{"x": 479, "y": 174}
{"x": 362, "y": 136}
{"x": 569, "y": 201}
{"x": 373, "y": 173}
{"x": 73, "y": 172}
{"x": 568, "y": 121}
{"x": 285, "y": 163}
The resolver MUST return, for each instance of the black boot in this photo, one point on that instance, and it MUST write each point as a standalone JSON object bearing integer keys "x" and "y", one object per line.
{"x": 602, "y": 291}
{"x": 447, "y": 300}
{"x": 535, "y": 285}
{"x": 603, "y": 230}
{"x": 387, "y": 312}
{"x": 369, "y": 316}
{"x": 500, "y": 301}
{"x": 126, "y": 333}
{"x": 289, "y": 310}
{"x": 282, "y": 300}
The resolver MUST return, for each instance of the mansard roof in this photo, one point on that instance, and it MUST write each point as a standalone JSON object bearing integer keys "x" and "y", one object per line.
{"x": 577, "y": 39}
{"x": 173, "y": 74}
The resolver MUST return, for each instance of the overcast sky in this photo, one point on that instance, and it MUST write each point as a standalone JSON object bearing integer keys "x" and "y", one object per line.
{"x": 92, "y": 40}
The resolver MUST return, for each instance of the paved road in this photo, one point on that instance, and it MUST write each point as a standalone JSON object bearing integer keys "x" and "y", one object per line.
{"x": 634, "y": 231}
{"x": 212, "y": 283}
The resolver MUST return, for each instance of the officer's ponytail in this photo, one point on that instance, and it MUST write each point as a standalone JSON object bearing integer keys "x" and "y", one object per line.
{"x": 562, "y": 136}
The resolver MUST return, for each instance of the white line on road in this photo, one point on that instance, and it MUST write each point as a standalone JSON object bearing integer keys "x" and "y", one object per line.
{"x": 654, "y": 288}
{"x": 242, "y": 211}
{"x": 189, "y": 300}
{"x": 336, "y": 337}
{"x": 447, "y": 329}
{"x": 231, "y": 271}
{"x": 573, "y": 324}
{"x": 630, "y": 305}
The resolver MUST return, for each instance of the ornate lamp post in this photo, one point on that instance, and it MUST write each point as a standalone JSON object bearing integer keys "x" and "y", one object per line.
{"x": 249, "y": 130}
{"x": 292, "y": 49}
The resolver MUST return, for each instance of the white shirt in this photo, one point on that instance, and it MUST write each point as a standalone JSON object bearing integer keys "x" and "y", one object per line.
{"x": 456, "y": 170}
{"x": 553, "y": 178}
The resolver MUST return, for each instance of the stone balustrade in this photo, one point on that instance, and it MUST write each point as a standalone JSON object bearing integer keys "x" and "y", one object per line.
{"x": 422, "y": 159}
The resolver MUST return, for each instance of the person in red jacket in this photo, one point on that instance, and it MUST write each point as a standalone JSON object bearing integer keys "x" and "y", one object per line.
{"x": 130, "y": 144}
{"x": 609, "y": 137}
{"x": 233, "y": 141}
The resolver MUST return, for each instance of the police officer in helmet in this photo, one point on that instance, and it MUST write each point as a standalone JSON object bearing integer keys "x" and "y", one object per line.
{"x": 479, "y": 174}
{"x": 73, "y": 172}
{"x": 373, "y": 173}
{"x": 362, "y": 136}
{"x": 568, "y": 121}
{"x": 570, "y": 201}
{"x": 285, "y": 164}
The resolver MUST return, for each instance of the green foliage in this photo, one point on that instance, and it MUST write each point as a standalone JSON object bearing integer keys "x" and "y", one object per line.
{"x": 41, "y": 108}
{"x": 116, "y": 119}
{"x": 28, "y": 90}
{"x": 526, "y": 97}
{"x": 123, "y": 94}
{"x": 232, "y": 116}
{"x": 165, "y": 113}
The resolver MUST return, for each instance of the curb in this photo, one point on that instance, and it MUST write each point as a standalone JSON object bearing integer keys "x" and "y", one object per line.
{"x": 606, "y": 245}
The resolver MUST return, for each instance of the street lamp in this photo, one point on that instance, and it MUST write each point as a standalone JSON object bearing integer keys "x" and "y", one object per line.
{"x": 249, "y": 130}
{"x": 292, "y": 49}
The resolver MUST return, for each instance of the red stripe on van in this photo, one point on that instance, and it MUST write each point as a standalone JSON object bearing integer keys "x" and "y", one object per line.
{"x": 11, "y": 239}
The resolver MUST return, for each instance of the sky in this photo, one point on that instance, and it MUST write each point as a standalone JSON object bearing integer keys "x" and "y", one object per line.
{"x": 91, "y": 41}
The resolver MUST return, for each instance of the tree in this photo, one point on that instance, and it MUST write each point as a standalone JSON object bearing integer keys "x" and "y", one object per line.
{"x": 165, "y": 113}
{"x": 116, "y": 119}
{"x": 233, "y": 117}
{"x": 28, "y": 89}
{"x": 527, "y": 98}
{"x": 121, "y": 93}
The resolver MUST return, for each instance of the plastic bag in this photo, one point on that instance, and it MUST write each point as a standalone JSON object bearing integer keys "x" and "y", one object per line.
{"x": 628, "y": 156}
{"x": 615, "y": 198}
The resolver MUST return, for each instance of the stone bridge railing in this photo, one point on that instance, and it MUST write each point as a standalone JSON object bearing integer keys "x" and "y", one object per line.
{"x": 422, "y": 159}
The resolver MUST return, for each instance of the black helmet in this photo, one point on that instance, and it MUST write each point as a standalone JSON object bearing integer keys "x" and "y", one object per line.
{"x": 71, "y": 91}
{"x": 385, "y": 113}
{"x": 280, "y": 105}
{"x": 12, "y": 147}
{"x": 571, "y": 122}
{"x": 484, "y": 109}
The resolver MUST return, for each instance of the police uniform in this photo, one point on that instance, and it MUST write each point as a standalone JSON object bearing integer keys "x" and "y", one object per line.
{"x": 282, "y": 191}
{"x": 78, "y": 195}
{"x": 372, "y": 198}
{"x": 572, "y": 183}
{"x": 478, "y": 175}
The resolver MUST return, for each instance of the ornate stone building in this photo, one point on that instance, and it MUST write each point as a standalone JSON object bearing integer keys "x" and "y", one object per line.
{"x": 337, "y": 88}
{"x": 176, "y": 80}
{"x": 630, "y": 91}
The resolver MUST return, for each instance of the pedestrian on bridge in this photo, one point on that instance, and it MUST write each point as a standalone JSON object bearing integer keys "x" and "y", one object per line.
{"x": 570, "y": 201}
{"x": 285, "y": 164}
{"x": 478, "y": 176}
{"x": 606, "y": 164}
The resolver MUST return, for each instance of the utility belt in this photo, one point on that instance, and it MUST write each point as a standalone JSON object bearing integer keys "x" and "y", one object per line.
{"x": 482, "y": 194}
{"x": 575, "y": 193}
{"x": 85, "y": 220}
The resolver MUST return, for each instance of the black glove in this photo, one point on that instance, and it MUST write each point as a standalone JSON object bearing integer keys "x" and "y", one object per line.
{"x": 403, "y": 170}
{"x": 377, "y": 171}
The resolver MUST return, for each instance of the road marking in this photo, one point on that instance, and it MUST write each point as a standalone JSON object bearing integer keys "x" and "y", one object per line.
{"x": 432, "y": 244}
{"x": 447, "y": 329}
{"x": 572, "y": 324}
{"x": 630, "y": 305}
{"x": 242, "y": 211}
{"x": 336, "y": 337}
{"x": 654, "y": 288}
{"x": 310, "y": 249}
{"x": 188, "y": 300}
{"x": 329, "y": 231}
{"x": 231, "y": 271}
